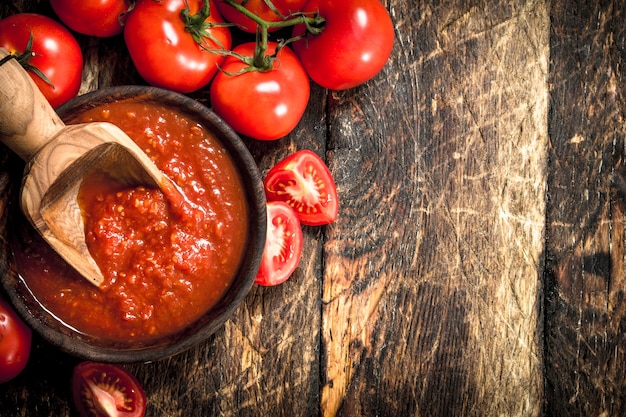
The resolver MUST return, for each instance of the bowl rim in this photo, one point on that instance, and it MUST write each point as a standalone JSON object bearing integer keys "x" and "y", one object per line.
{"x": 213, "y": 319}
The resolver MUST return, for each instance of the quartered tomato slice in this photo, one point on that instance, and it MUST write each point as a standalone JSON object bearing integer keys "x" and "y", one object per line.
{"x": 283, "y": 245}
{"x": 303, "y": 181}
{"x": 101, "y": 389}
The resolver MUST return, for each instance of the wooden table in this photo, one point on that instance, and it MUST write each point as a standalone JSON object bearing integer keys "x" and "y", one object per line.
{"x": 477, "y": 266}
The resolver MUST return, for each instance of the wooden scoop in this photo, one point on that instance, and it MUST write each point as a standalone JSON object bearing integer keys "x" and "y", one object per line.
{"x": 58, "y": 158}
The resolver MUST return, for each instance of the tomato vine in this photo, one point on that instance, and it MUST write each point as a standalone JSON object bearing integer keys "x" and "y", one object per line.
{"x": 262, "y": 61}
{"x": 24, "y": 60}
{"x": 199, "y": 27}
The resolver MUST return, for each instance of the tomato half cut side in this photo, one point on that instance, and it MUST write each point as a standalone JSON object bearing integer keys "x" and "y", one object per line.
{"x": 283, "y": 245}
{"x": 303, "y": 181}
{"x": 100, "y": 389}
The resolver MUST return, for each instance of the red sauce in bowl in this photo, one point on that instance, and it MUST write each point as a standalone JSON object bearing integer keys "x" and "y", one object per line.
{"x": 164, "y": 267}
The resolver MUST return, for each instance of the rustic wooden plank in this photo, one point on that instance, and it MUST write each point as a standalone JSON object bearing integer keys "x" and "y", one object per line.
{"x": 432, "y": 300}
{"x": 585, "y": 303}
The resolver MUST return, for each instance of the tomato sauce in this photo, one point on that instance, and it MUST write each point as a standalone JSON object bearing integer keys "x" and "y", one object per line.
{"x": 163, "y": 266}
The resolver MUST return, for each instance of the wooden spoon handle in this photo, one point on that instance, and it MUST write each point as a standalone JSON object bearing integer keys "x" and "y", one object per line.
{"x": 27, "y": 121}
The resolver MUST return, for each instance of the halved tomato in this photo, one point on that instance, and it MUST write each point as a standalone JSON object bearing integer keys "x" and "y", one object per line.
{"x": 283, "y": 245}
{"x": 303, "y": 181}
{"x": 101, "y": 389}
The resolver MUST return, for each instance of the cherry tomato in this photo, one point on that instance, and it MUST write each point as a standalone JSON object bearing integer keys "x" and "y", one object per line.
{"x": 100, "y": 18}
{"x": 163, "y": 48}
{"x": 283, "y": 245}
{"x": 100, "y": 389}
{"x": 54, "y": 51}
{"x": 282, "y": 10}
{"x": 15, "y": 341}
{"x": 353, "y": 47}
{"x": 264, "y": 105}
{"x": 303, "y": 181}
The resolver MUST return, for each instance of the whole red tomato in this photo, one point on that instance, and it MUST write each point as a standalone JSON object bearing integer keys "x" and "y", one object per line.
{"x": 353, "y": 47}
{"x": 54, "y": 52}
{"x": 171, "y": 53}
{"x": 264, "y": 105}
{"x": 282, "y": 9}
{"x": 101, "y": 18}
{"x": 15, "y": 341}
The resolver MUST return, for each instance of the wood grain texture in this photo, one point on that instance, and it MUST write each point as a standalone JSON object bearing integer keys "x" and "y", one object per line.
{"x": 585, "y": 287}
{"x": 27, "y": 121}
{"x": 431, "y": 301}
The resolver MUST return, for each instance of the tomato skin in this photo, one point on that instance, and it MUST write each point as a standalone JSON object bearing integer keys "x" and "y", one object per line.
{"x": 303, "y": 181}
{"x": 353, "y": 47}
{"x": 261, "y": 9}
{"x": 57, "y": 53}
{"x": 100, "y": 18}
{"x": 262, "y": 105}
{"x": 97, "y": 387}
{"x": 15, "y": 343}
{"x": 283, "y": 245}
{"x": 164, "y": 53}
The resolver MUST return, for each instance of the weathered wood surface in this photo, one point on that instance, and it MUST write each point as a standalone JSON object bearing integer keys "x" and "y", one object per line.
{"x": 477, "y": 265}
{"x": 585, "y": 286}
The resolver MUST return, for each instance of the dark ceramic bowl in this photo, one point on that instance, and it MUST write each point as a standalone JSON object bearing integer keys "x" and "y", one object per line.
{"x": 101, "y": 349}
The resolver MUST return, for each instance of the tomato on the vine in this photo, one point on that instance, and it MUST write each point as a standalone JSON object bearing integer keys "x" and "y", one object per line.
{"x": 170, "y": 42}
{"x": 15, "y": 341}
{"x": 353, "y": 46}
{"x": 54, "y": 52}
{"x": 303, "y": 181}
{"x": 261, "y": 104}
{"x": 283, "y": 245}
{"x": 100, "y": 18}
{"x": 274, "y": 11}
{"x": 100, "y": 389}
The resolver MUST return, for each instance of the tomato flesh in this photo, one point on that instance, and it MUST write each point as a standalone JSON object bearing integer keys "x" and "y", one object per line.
{"x": 56, "y": 53}
{"x": 107, "y": 390}
{"x": 283, "y": 245}
{"x": 15, "y": 343}
{"x": 303, "y": 181}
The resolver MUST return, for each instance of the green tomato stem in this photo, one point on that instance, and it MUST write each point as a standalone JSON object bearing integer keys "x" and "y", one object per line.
{"x": 24, "y": 60}
{"x": 314, "y": 24}
{"x": 197, "y": 26}
{"x": 259, "y": 60}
